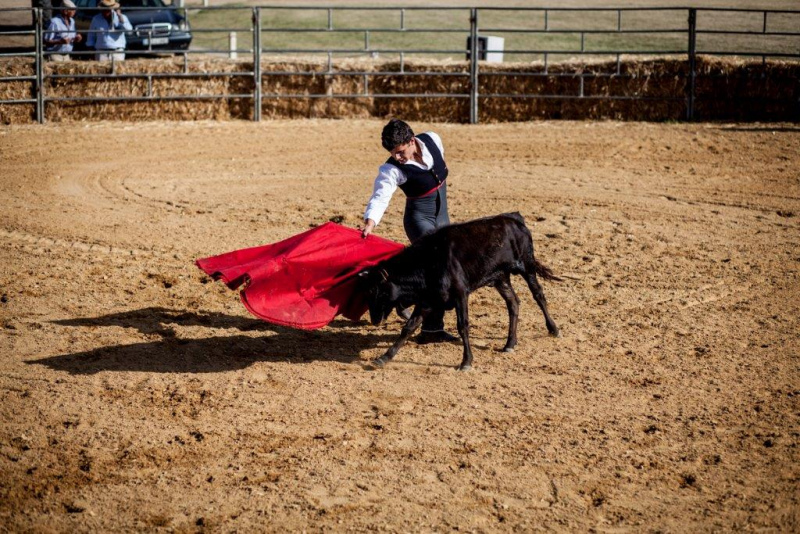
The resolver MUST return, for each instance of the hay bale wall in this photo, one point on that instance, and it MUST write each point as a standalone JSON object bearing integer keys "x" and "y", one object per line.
{"x": 725, "y": 90}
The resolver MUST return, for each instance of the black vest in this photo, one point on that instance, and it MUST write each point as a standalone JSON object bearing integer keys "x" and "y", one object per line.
{"x": 421, "y": 181}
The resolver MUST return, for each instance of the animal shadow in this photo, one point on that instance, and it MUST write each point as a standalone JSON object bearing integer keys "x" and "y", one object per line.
{"x": 169, "y": 353}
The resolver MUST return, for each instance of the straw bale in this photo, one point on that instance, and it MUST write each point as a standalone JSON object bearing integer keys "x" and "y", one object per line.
{"x": 564, "y": 85}
{"x": 17, "y": 66}
{"x": 343, "y": 84}
{"x": 424, "y": 109}
{"x": 167, "y": 109}
{"x": 240, "y": 108}
{"x": 654, "y": 79}
{"x": 17, "y": 113}
{"x": 508, "y": 109}
{"x": 13, "y": 90}
{"x": 754, "y": 90}
{"x": 294, "y": 65}
{"x": 408, "y": 82}
{"x": 642, "y": 79}
{"x": 601, "y": 78}
{"x": 299, "y": 84}
{"x": 17, "y": 90}
{"x": 319, "y": 82}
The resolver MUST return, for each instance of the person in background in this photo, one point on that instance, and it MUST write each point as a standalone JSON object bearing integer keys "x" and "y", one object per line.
{"x": 47, "y": 11}
{"x": 416, "y": 165}
{"x": 107, "y": 32}
{"x": 61, "y": 35}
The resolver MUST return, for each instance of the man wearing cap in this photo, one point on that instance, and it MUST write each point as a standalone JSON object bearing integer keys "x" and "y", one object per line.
{"x": 107, "y": 32}
{"x": 61, "y": 33}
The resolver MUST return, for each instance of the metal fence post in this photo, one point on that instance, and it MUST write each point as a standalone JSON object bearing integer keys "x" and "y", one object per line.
{"x": 473, "y": 66}
{"x": 257, "y": 63}
{"x": 690, "y": 89}
{"x": 233, "y": 46}
{"x": 39, "y": 68}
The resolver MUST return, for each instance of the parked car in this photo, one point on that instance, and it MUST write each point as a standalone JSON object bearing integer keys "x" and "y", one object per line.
{"x": 160, "y": 27}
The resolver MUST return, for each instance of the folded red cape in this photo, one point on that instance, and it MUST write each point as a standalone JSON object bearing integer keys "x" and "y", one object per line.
{"x": 303, "y": 281}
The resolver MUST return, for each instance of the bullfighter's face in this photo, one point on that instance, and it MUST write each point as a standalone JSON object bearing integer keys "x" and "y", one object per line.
{"x": 405, "y": 152}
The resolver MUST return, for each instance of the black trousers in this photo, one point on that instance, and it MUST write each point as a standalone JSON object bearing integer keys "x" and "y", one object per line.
{"x": 424, "y": 215}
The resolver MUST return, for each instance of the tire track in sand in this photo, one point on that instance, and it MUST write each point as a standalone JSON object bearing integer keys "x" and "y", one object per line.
{"x": 41, "y": 244}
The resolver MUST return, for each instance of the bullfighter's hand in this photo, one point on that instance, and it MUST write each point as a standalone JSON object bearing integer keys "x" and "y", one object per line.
{"x": 369, "y": 225}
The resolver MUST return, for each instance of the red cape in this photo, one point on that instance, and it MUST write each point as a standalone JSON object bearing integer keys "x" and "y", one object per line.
{"x": 303, "y": 281}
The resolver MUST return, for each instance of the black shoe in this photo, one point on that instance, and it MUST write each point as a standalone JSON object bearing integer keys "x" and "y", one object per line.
{"x": 440, "y": 336}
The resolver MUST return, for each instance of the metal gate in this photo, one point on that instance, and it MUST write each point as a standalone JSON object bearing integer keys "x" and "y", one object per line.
{"x": 545, "y": 34}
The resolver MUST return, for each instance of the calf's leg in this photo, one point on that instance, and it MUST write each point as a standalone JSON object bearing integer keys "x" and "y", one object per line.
{"x": 462, "y": 318}
{"x": 538, "y": 296}
{"x": 512, "y": 303}
{"x": 408, "y": 329}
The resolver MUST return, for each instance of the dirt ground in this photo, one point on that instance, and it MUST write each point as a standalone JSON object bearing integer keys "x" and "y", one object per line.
{"x": 136, "y": 394}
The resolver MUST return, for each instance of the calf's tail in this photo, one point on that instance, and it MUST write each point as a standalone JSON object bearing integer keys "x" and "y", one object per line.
{"x": 545, "y": 272}
{"x": 539, "y": 268}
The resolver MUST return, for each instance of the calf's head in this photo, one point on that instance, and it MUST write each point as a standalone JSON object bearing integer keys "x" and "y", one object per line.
{"x": 381, "y": 293}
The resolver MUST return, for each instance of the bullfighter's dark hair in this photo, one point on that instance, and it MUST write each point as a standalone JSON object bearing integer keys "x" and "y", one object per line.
{"x": 396, "y": 132}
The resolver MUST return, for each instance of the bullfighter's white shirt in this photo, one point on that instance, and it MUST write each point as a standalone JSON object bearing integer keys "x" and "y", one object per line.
{"x": 390, "y": 177}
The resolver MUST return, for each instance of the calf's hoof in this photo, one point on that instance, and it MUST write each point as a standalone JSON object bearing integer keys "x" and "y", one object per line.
{"x": 379, "y": 363}
{"x": 507, "y": 349}
{"x": 555, "y": 332}
{"x": 464, "y": 368}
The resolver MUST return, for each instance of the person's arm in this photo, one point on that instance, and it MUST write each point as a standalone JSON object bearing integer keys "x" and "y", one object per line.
{"x": 124, "y": 23}
{"x": 369, "y": 226}
{"x": 74, "y": 35}
{"x": 389, "y": 177}
{"x": 91, "y": 40}
{"x": 52, "y": 37}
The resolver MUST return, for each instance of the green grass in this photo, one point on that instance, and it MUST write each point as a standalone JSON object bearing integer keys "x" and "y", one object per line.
{"x": 366, "y": 26}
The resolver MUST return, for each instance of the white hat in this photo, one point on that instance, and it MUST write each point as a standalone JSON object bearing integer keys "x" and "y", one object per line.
{"x": 68, "y": 4}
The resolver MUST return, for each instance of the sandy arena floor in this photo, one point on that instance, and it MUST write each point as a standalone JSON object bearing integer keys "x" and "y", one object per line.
{"x": 136, "y": 394}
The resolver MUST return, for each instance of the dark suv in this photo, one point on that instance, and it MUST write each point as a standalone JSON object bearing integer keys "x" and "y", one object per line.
{"x": 159, "y": 27}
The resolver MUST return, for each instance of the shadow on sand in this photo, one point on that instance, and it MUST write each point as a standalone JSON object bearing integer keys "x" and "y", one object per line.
{"x": 759, "y": 128}
{"x": 171, "y": 354}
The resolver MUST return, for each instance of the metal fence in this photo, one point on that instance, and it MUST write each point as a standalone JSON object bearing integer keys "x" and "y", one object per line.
{"x": 542, "y": 35}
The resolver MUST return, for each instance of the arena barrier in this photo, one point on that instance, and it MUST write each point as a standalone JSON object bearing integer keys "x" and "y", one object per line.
{"x": 438, "y": 63}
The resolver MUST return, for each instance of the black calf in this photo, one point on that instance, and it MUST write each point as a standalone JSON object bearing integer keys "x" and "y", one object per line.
{"x": 441, "y": 269}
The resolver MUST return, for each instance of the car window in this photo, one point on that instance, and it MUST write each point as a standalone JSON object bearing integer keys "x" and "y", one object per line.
{"x": 142, "y": 3}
